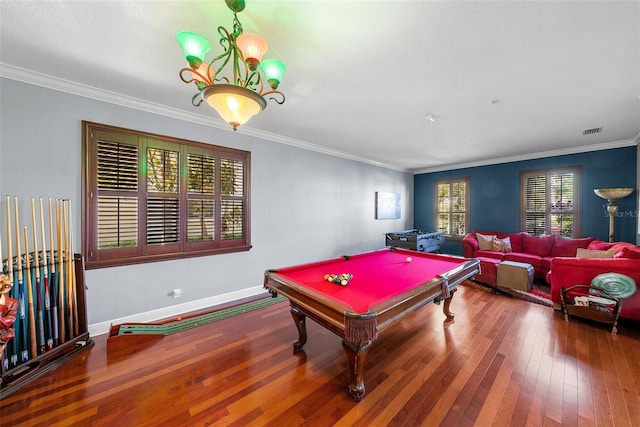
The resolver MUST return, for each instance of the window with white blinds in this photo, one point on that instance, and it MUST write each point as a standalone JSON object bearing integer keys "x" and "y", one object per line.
{"x": 452, "y": 206}
{"x": 550, "y": 202}
{"x": 149, "y": 197}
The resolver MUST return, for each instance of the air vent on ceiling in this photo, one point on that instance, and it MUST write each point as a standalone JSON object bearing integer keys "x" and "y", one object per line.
{"x": 591, "y": 131}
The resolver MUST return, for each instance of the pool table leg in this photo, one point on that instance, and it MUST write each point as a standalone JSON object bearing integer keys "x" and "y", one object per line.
{"x": 447, "y": 303}
{"x": 356, "y": 354}
{"x": 300, "y": 320}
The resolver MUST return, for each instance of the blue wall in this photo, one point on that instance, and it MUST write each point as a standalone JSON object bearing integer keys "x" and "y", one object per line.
{"x": 495, "y": 193}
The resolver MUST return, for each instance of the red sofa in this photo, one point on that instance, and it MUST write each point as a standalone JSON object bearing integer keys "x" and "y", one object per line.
{"x": 566, "y": 272}
{"x": 527, "y": 248}
{"x": 554, "y": 260}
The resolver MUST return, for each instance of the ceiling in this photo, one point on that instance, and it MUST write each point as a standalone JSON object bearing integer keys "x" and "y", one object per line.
{"x": 503, "y": 80}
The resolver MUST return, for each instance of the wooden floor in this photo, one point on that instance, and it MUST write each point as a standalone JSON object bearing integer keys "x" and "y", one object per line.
{"x": 501, "y": 362}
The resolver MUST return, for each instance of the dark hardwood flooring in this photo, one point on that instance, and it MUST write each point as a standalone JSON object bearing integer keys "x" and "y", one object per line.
{"x": 501, "y": 362}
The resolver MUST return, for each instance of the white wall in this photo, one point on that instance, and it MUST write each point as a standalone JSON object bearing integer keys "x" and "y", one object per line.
{"x": 305, "y": 206}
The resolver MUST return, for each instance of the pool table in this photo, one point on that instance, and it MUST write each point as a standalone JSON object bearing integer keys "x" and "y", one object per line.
{"x": 386, "y": 285}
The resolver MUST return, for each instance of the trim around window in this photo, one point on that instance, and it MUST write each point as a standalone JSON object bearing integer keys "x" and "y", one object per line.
{"x": 452, "y": 212}
{"x": 550, "y": 201}
{"x": 150, "y": 198}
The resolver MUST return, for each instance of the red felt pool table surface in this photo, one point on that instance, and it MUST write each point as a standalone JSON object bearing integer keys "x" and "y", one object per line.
{"x": 377, "y": 275}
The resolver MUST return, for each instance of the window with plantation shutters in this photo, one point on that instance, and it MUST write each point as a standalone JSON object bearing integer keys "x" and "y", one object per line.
{"x": 232, "y": 185}
{"x": 200, "y": 198}
{"x": 550, "y": 202}
{"x": 117, "y": 201}
{"x": 452, "y": 206}
{"x": 150, "y": 198}
{"x": 163, "y": 203}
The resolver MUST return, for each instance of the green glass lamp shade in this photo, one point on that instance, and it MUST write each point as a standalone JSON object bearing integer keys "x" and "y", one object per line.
{"x": 194, "y": 46}
{"x": 273, "y": 70}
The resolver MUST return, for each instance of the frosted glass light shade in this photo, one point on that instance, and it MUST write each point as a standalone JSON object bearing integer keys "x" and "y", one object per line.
{"x": 194, "y": 46}
{"x": 613, "y": 193}
{"x": 273, "y": 70}
{"x": 235, "y": 104}
{"x": 202, "y": 75}
{"x": 253, "y": 48}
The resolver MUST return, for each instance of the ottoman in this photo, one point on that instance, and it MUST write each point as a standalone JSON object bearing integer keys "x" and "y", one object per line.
{"x": 514, "y": 275}
{"x": 487, "y": 273}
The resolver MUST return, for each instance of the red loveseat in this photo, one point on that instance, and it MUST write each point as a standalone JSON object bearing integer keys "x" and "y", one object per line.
{"x": 526, "y": 248}
{"x": 566, "y": 272}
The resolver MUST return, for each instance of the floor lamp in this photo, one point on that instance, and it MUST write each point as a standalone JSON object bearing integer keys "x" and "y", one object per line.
{"x": 612, "y": 195}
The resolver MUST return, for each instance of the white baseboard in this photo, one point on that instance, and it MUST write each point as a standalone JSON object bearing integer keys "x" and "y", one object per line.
{"x": 175, "y": 310}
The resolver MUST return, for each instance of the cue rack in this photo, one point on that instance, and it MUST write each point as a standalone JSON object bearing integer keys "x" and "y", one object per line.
{"x": 49, "y": 286}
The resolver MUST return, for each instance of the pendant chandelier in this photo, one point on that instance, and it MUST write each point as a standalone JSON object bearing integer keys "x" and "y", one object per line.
{"x": 239, "y": 94}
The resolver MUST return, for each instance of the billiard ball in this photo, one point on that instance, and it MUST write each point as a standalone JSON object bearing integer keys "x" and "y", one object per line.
{"x": 408, "y": 259}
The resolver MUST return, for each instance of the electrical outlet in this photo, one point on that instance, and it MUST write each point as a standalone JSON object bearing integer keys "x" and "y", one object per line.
{"x": 176, "y": 293}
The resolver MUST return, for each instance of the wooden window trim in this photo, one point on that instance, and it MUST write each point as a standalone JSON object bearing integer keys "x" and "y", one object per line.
{"x": 143, "y": 253}
{"x": 577, "y": 196}
{"x": 467, "y": 182}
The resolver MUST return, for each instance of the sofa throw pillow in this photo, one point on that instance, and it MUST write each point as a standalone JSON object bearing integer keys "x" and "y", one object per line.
{"x": 567, "y": 247}
{"x": 485, "y": 242}
{"x": 599, "y": 245}
{"x": 591, "y": 253}
{"x": 537, "y": 245}
{"x": 501, "y": 245}
{"x": 628, "y": 253}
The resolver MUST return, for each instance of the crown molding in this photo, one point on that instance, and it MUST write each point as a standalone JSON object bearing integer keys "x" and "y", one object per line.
{"x": 73, "y": 88}
{"x": 552, "y": 153}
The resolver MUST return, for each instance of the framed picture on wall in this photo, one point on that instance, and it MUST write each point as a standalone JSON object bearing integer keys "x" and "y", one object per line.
{"x": 387, "y": 205}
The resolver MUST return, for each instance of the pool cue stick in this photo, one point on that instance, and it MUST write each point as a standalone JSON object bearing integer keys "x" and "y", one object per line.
{"x": 14, "y": 355}
{"x": 61, "y": 299}
{"x": 45, "y": 279}
{"x": 68, "y": 325}
{"x": 40, "y": 315}
{"x": 32, "y": 318}
{"x": 72, "y": 282}
{"x": 54, "y": 291}
{"x": 5, "y": 352}
{"x": 24, "y": 347}
{"x": 67, "y": 273}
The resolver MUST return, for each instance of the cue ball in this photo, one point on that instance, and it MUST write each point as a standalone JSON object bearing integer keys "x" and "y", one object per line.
{"x": 408, "y": 259}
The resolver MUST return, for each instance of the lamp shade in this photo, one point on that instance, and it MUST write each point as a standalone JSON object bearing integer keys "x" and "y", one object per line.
{"x": 200, "y": 75}
{"x": 194, "y": 46}
{"x": 613, "y": 193}
{"x": 235, "y": 104}
{"x": 273, "y": 70}
{"x": 253, "y": 48}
